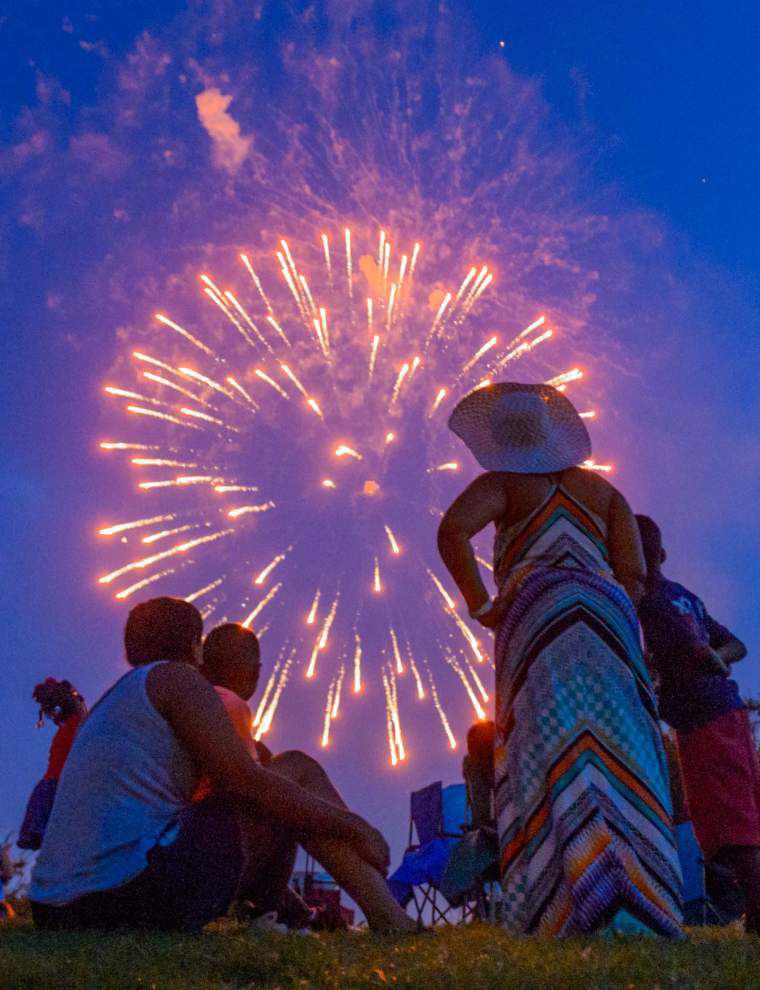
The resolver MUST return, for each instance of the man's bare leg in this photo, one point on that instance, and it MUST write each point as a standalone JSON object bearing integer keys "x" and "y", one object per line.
{"x": 269, "y": 886}
{"x": 361, "y": 881}
{"x": 272, "y": 859}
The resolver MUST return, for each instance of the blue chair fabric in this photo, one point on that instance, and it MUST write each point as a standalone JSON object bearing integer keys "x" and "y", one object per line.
{"x": 426, "y": 812}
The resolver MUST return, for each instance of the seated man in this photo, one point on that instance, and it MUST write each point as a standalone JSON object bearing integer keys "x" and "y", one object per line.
{"x": 127, "y": 847}
{"x": 232, "y": 663}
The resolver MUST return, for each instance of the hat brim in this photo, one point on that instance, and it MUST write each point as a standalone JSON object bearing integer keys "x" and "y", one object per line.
{"x": 566, "y": 445}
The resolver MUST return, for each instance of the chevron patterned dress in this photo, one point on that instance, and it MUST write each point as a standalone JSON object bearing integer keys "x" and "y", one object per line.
{"x": 582, "y": 794}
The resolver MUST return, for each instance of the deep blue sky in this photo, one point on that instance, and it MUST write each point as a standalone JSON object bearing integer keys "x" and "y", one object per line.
{"x": 663, "y": 98}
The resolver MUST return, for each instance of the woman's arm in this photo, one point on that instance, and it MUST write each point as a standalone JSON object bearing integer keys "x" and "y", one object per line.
{"x": 483, "y": 502}
{"x": 626, "y": 553}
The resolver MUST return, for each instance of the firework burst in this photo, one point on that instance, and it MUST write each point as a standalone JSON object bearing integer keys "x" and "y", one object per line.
{"x": 296, "y": 460}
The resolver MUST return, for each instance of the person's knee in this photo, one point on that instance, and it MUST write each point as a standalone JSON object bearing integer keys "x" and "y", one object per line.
{"x": 298, "y": 763}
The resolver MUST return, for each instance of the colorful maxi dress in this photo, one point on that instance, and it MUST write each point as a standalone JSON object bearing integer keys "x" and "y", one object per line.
{"x": 582, "y": 796}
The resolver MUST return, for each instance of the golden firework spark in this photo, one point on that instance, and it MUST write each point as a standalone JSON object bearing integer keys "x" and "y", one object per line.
{"x": 162, "y": 462}
{"x": 139, "y": 585}
{"x": 256, "y": 281}
{"x": 248, "y": 620}
{"x": 295, "y": 379}
{"x": 314, "y": 405}
{"x": 402, "y": 373}
{"x": 311, "y": 618}
{"x": 260, "y": 373}
{"x": 439, "y": 397}
{"x": 326, "y": 249}
{"x": 349, "y": 273}
{"x": 566, "y": 377}
{"x": 188, "y": 479}
{"x": 441, "y": 714}
{"x": 136, "y": 524}
{"x": 184, "y": 333}
{"x": 416, "y": 675}
{"x": 442, "y": 591}
{"x": 357, "y": 663}
{"x": 323, "y": 638}
{"x": 164, "y": 533}
{"x": 221, "y": 489}
{"x": 481, "y": 352}
{"x": 244, "y": 510}
{"x": 373, "y": 354}
{"x": 328, "y": 715}
{"x": 266, "y": 571}
{"x": 457, "y": 668}
{"x": 120, "y": 445}
{"x": 338, "y": 691}
{"x": 239, "y": 388}
{"x": 603, "y": 468}
{"x": 197, "y": 414}
{"x": 167, "y": 417}
{"x": 342, "y": 450}
{"x": 396, "y": 652}
{"x": 205, "y": 590}
{"x": 268, "y": 716}
{"x": 395, "y": 548}
{"x": 265, "y": 696}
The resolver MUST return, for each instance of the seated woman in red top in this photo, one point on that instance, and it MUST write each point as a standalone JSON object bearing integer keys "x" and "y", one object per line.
{"x": 65, "y": 707}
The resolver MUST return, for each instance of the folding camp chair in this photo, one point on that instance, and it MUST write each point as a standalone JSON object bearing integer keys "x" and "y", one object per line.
{"x": 438, "y": 819}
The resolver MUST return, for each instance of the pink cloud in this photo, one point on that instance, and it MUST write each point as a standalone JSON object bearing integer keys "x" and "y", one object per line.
{"x": 99, "y": 153}
{"x": 230, "y": 148}
{"x": 99, "y": 47}
{"x": 145, "y": 62}
{"x": 50, "y": 91}
{"x": 34, "y": 146}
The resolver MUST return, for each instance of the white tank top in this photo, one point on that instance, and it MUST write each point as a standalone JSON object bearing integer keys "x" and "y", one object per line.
{"x": 124, "y": 785}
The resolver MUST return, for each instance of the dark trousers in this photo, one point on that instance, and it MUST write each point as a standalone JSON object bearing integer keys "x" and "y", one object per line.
{"x": 184, "y": 886}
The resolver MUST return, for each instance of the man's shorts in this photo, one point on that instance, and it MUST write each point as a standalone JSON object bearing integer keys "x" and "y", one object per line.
{"x": 722, "y": 781}
{"x": 184, "y": 886}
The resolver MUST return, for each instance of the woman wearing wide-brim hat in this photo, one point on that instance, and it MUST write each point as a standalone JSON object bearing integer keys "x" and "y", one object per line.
{"x": 581, "y": 780}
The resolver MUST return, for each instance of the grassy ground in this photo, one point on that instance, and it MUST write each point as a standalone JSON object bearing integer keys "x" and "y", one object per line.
{"x": 472, "y": 958}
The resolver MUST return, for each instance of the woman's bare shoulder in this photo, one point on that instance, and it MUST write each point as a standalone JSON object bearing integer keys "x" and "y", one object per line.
{"x": 593, "y": 487}
{"x": 593, "y": 480}
{"x": 490, "y": 481}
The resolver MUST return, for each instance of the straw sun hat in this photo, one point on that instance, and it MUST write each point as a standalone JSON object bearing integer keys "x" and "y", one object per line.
{"x": 526, "y": 429}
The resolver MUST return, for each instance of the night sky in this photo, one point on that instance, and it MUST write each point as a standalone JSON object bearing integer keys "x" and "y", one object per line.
{"x": 140, "y": 142}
